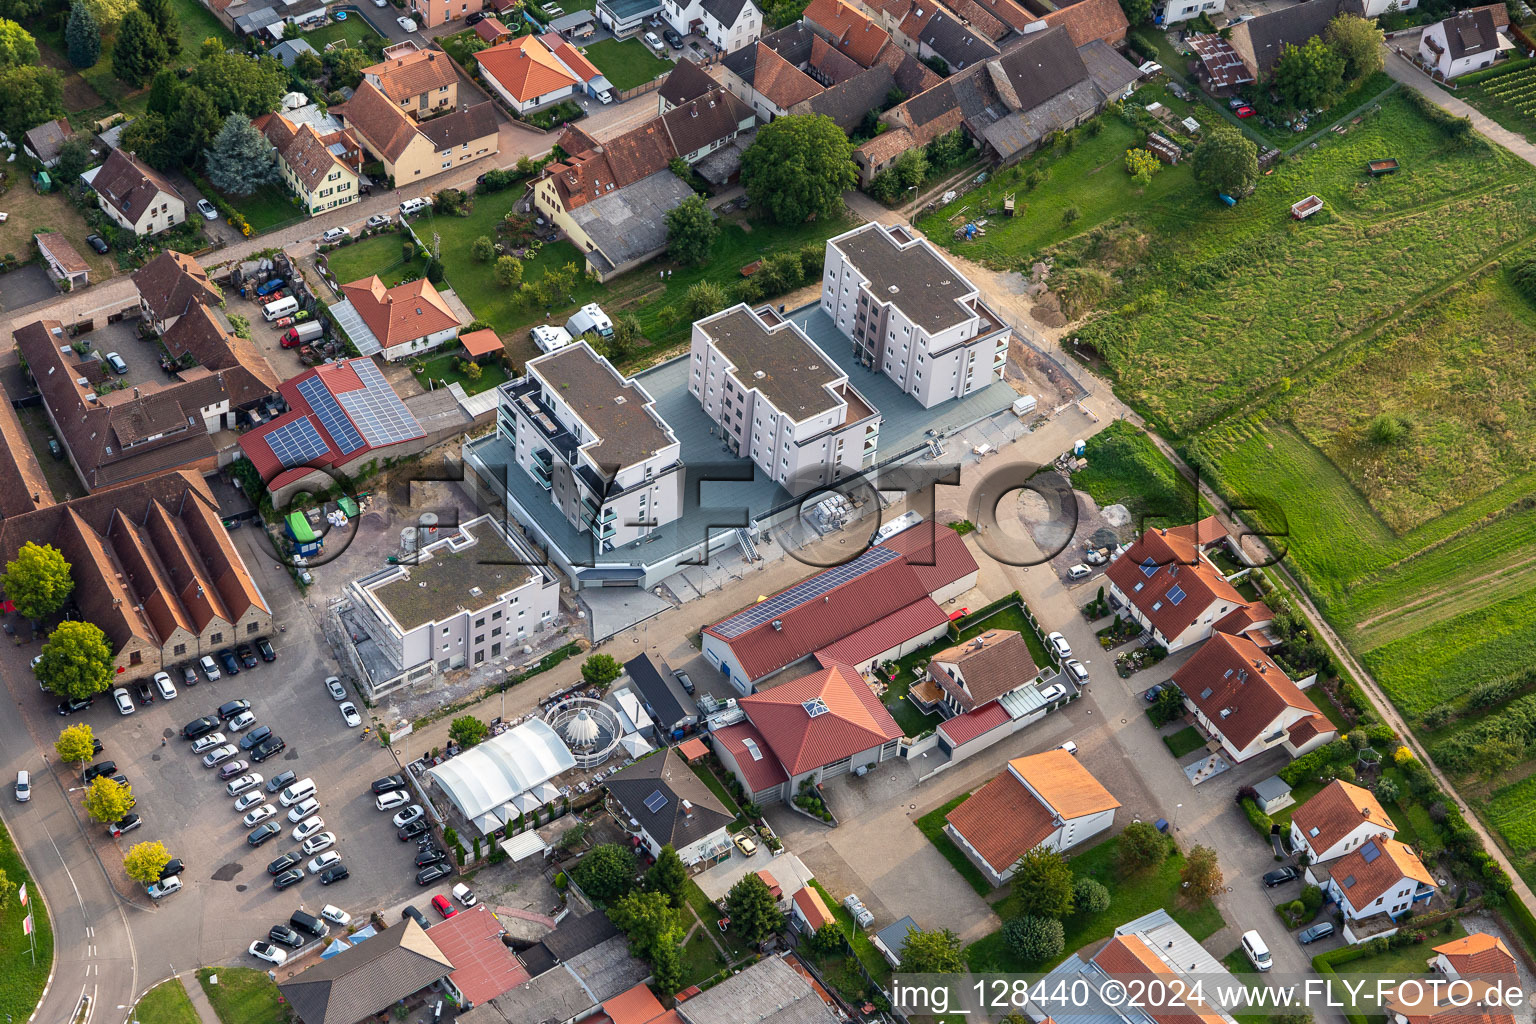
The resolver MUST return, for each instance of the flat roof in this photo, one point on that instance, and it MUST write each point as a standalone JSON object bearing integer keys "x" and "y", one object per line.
{"x": 926, "y": 287}
{"x": 445, "y": 582}
{"x": 782, "y": 363}
{"x": 613, "y": 407}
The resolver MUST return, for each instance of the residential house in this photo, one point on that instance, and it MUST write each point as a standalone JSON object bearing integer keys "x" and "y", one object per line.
{"x": 779, "y": 400}
{"x": 1170, "y": 12}
{"x": 485, "y": 966}
{"x": 808, "y": 912}
{"x": 44, "y": 142}
{"x": 153, "y": 567}
{"x": 324, "y": 171}
{"x": 665, "y": 701}
{"x": 1464, "y": 42}
{"x": 368, "y": 977}
{"x": 939, "y": 34}
{"x": 728, "y": 24}
{"x": 668, "y": 805}
{"x": 1259, "y": 41}
{"x": 1374, "y": 885}
{"x": 1478, "y": 955}
{"x": 412, "y": 152}
{"x": 592, "y": 439}
{"x": 290, "y": 50}
{"x": 686, "y": 81}
{"x": 135, "y": 196}
{"x": 1247, "y": 702}
{"x": 911, "y": 315}
{"x": 1337, "y": 819}
{"x": 526, "y": 74}
{"x": 432, "y": 13}
{"x": 1219, "y": 68}
{"x": 1086, "y": 21}
{"x": 982, "y": 669}
{"x": 171, "y": 285}
{"x": 880, "y": 606}
{"x": 422, "y": 83}
{"x": 593, "y": 82}
{"x": 398, "y": 323}
{"x": 1151, "y": 952}
{"x": 768, "y": 992}
{"x": 64, "y": 263}
{"x": 202, "y": 336}
{"x": 23, "y": 485}
{"x": 1170, "y": 587}
{"x": 1046, "y": 799}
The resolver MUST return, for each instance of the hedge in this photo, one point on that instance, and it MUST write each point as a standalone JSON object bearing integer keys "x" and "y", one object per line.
{"x": 1324, "y": 964}
{"x": 1260, "y": 821}
{"x": 1318, "y": 762}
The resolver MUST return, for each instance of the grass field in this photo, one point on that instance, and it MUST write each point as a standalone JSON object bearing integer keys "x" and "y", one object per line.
{"x": 31, "y": 212}
{"x": 1512, "y": 810}
{"x": 24, "y": 976}
{"x": 1282, "y": 137}
{"x": 244, "y": 996}
{"x": 1506, "y": 93}
{"x": 1186, "y": 741}
{"x": 626, "y": 63}
{"x": 271, "y": 206}
{"x": 356, "y": 31}
{"x": 166, "y": 1003}
{"x": 378, "y": 254}
{"x": 1126, "y": 468}
{"x": 440, "y": 368}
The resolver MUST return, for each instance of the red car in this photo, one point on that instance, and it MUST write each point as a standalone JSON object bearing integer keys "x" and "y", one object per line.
{"x": 1244, "y": 111}
{"x": 443, "y": 906}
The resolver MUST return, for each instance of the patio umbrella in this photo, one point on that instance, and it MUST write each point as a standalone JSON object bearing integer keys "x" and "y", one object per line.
{"x": 635, "y": 744}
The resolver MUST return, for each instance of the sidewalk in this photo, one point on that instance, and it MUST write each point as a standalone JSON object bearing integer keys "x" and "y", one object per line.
{"x": 199, "y": 998}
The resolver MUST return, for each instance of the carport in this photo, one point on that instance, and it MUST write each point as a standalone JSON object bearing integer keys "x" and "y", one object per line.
{"x": 524, "y": 845}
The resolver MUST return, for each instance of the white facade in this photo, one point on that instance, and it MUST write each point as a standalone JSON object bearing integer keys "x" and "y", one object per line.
{"x": 417, "y": 346}
{"x": 779, "y": 400}
{"x": 1359, "y": 834}
{"x": 1275, "y": 734}
{"x": 1183, "y": 10}
{"x": 1435, "y": 51}
{"x": 694, "y": 16}
{"x": 911, "y": 315}
{"x": 1376, "y": 8}
{"x": 165, "y": 211}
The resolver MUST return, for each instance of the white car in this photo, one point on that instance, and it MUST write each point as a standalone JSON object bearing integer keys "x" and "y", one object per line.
{"x": 394, "y": 798}
{"x": 308, "y": 827}
{"x": 464, "y": 896}
{"x": 208, "y": 742}
{"x": 268, "y": 952}
{"x": 406, "y": 23}
{"x": 1059, "y": 642}
{"x": 334, "y": 688}
{"x": 241, "y": 722}
{"x": 249, "y": 800}
{"x": 325, "y": 860}
{"x": 259, "y": 815}
{"x": 165, "y": 686}
{"x": 411, "y": 206}
{"x": 243, "y": 783}
{"x": 1053, "y": 693}
{"x": 303, "y": 809}
{"x": 210, "y": 668}
{"x": 163, "y": 888}
{"x": 124, "y": 701}
{"x": 207, "y": 209}
{"x": 218, "y": 755}
{"x": 335, "y": 915}
{"x": 349, "y": 714}
{"x": 314, "y": 844}
{"x": 335, "y": 234}
{"x": 1079, "y": 671}
{"x": 408, "y": 815}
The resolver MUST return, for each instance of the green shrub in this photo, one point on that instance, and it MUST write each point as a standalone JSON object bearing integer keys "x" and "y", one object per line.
{"x": 1260, "y": 821}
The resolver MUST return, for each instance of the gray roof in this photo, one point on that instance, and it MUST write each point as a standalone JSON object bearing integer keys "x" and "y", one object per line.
{"x": 572, "y": 21}
{"x": 663, "y": 781}
{"x": 850, "y": 100}
{"x": 631, "y": 222}
{"x": 368, "y": 977}
{"x": 894, "y": 935}
{"x": 1109, "y": 71}
{"x": 556, "y": 995}
{"x": 606, "y": 969}
{"x": 628, "y": 431}
{"x": 790, "y": 371}
{"x": 724, "y": 11}
{"x": 792, "y": 42}
{"x": 954, "y": 40}
{"x": 768, "y": 992}
{"x": 665, "y": 699}
{"x": 1022, "y": 130}
{"x": 1162, "y": 933}
{"x": 288, "y": 50}
{"x": 1271, "y": 788}
{"x": 578, "y": 934}
{"x": 911, "y": 277}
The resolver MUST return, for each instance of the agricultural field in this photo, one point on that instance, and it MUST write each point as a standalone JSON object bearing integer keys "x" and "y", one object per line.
{"x": 1506, "y": 93}
{"x": 1512, "y": 810}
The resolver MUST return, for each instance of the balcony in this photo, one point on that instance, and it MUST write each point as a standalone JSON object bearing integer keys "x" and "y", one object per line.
{"x": 540, "y": 474}
{"x": 606, "y": 532}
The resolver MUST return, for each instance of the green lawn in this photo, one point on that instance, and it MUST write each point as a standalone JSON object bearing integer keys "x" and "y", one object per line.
{"x": 1282, "y": 137}
{"x": 626, "y": 63}
{"x": 271, "y": 206}
{"x": 716, "y": 787}
{"x": 356, "y": 31}
{"x": 244, "y": 996}
{"x": 1506, "y": 93}
{"x": 701, "y": 960}
{"x": 1132, "y": 896}
{"x": 709, "y": 914}
{"x": 166, "y": 1003}
{"x": 932, "y": 826}
{"x": 441, "y": 369}
{"x": 1408, "y": 960}
{"x": 24, "y": 977}
{"x": 196, "y": 23}
{"x": 1126, "y": 468}
{"x": 378, "y": 254}
{"x": 1186, "y": 741}
{"x": 462, "y": 47}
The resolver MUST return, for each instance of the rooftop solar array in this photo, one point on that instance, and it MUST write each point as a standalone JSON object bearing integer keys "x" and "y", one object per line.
{"x": 297, "y": 443}
{"x": 778, "y": 604}
{"x": 377, "y": 410}
{"x": 1149, "y": 567}
{"x": 1175, "y": 594}
{"x": 331, "y": 416}
{"x": 656, "y": 801}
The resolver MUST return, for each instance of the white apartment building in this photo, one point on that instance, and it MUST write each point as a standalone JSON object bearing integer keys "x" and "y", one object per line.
{"x": 911, "y": 315}
{"x": 729, "y": 24}
{"x": 779, "y": 400}
{"x": 592, "y": 438}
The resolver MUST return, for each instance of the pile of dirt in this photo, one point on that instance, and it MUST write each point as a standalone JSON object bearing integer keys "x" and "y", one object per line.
{"x": 1047, "y": 311}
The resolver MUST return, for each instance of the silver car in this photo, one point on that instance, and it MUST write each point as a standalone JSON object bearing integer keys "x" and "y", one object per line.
{"x": 218, "y": 755}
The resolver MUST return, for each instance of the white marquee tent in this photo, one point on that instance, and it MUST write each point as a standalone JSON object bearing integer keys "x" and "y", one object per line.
{"x": 485, "y": 780}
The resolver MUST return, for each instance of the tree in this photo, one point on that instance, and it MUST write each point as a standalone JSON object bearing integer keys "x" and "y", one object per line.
{"x": 1309, "y": 75}
{"x": 76, "y": 745}
{"x": 107, "y": 801}
{"x": 150, "y": 137}
{"x": 29, "y": 96}
{"x": 1226, "y": 161}
{"x": 702, "y": 299}
{"x": 240, "y": 160}
{"x": 826, "y": 940}
{"x": 139, "y": 51}
{"x": 910, "y": 169}
{"x": 467, "y": 730}
{"x": 799, "y": 167}
{"x": 109, "y": 14}
{"x": 1141, "y": 164}
{"x": 253, "y": 86}
{"x": 509, "y": 271}
{"x": 1042, "y": 883}
{"x": 1358, "y": 43}
{"x": 645, "y": 918}
{"x": 691, "y": 231}
{"x": 74, "y": 158}
{"x": 1090, "y": 896}
{"x": 1497, "y": 754}
{"x": 938, "y": 952}
{"x": 667, "y": 962}
{"x": 161, "y": 16}
{"x": 17, "y": 47}
{"x": 600, "y": 669}
{"x": 1201, "y": 875}
{"x": 1136, "y": 11}
{"x": 1035, "y": 939}
{"x": 144, "y": 861}
{"x": 482, "y": 249}
{"x": 668, "y": 876}
{"x": 345, "y": 66}
{"x": 753, "y": 911}
{"x": 1141, "y": 847}
{"x": 165, "y": 92}
{"x": 77, "y": 660}
{"x": 37, "y": 580}
{"x": 189, "y": 130}
{"x": 606, "y": 872}
{"x": 1385, "y": 429}
{"x": 21, "y": 10}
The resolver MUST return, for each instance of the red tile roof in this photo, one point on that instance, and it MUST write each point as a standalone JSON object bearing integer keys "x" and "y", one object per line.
{"x": 484, "y": 967}
{"x": 379, "y": 122}
{"x": 966, "y": 727}
{"x": 902, "y": 625}
{"x": 405, "y": 78}
{"x": 1335, "y": 811}
{"x": 491, "y": 29}
{"x": 1242, "y": 620}
{"x": 1306, "y": 729}
{"x": 772, "y": 883}
{"x": 779, "y": 81}
{"x": 851, "y": 32}
{"x": 693, "y": 748}
{"x": 1088, "y": 20}
{"x": 1127, "y": 956}
{"x": 1238, "y": 688}
{"x": 813, "y": 908}
{"x": 1478, "y": 954}
{"x": 636, "y": 1006}
{"x": 1375, "y": 866}
{"x": 937, "y": 554}
{"x": 805, "y": 738}
{"x": 1002, "y": 821}
{"x": 482, "y": 342}
{"x": 760, "y": 772}
{"x": 526, "y": 68}
{"x": 401, "y": 314}
{"x": 1174, "y": 558}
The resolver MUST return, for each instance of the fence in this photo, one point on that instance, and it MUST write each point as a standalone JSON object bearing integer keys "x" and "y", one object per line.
{"x": 641, "y": 90}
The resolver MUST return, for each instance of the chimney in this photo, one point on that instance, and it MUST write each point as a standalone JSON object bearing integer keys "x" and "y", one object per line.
{"x": 135, "y": 392}
{"x": 688, "y": 809}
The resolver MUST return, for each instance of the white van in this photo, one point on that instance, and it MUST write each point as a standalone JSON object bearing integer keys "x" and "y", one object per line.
{"x": 301, "y": 790}
{"x": 1258, "y": 953}
{"x": 281, "y": 308}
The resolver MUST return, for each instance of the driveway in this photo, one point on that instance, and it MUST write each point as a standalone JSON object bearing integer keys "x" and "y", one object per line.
{"x": 26, "y": 285}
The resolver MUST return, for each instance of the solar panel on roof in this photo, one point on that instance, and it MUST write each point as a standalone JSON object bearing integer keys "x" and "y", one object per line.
{"x": 1370, "y": 851}
{"x": 331, "y": 416}
{"x": 656, "y": 801}
{"x": 1149, "y": 566}
{"x": 377, "y": 410}
{"x": 1175, "y": 594}
{"x": 296, "y": 443}
{"x": 816, "y": 586}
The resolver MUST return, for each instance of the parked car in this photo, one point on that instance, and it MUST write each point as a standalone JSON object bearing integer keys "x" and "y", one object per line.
{"x": 406, "y": 23}
{"x": 264, "y": 648}
{"x": 123, "y": 701}
{"x": 442, "y": 906}
{"x": 412, "y": 206}
{"x": 1244, "y": 112}
{"x": 243, "y": 783}
{"x": 1321, "y": 930}
{"x": 1052, "y": 693}
{"x": 145, "y": 692}
{"x": 207, "y": 742}
{"x": 431, "y": 873}
{"x": 281, "y": 933}
{"x": 334, "y": 873}
{"x": 249, "y": 800}
{"x": 247, "y": 655}
{"x": 1079, "y": 572}
{"x": 1078, "y": 670}
{"x": 388, "y": 783}
{"x": 474, "y": 18}
{"x": 210, "y": 668}
{"x": 55, "y": 449}
{"x": 130, "y": 822}
{"x": 165, "y": 686}
{"x": 163, "y": 888}
{"x": 745, "y": 844}
{"x": 334, "y": 688}
{"x": 1070, "y": 747}
{"x": 74, "y": 706}
{"x": 410, "y": 814}
{"x": 277, "y": 782}
{"x": 241, "y": 722}
{"x": 686, "y": 683}
{"x": 174, "y": 866}
{"x": 1152, "y": 691}
{"x": 337, "y": 234}
{"x": 414, "y": 829}
{"x": 1256, "y": 951}
{"x": 267, "y": 748}
{"x": 308, "y": 827}
{"x": 349, "y": 714}
{"x": 335, "y": 915}
{"x": 259, "y": 815}
{"x": 229, "y": 709}
{"x": 232, "y": 768}
{"x": 117, "y": 364}
{"x": 253, "y": 738}
{"x": 380, "y": 220}
{"x": 218, "y": 755}
{"x": 324, "y": 861}
{"x": 23, "y": 786}
{"x": 673, "y": 39}
{"x": 431, "y": 855}
{"x": 95, "y": 771}
{"x": 268, "y": 952}
{"x": 411, "y": 913}
{"x": 1059, "y": 644}
{"x": 1280, "y": 876}
{"x": 227, "y": 660}
{"x": 395, "y": 798}
{"x": 314, "y": 844}
{"x": 293, "y": 876}
{"x": 188, "y": 674}
{"x": 263, "y": 832}
{"x": 98, "y": 243}
{"x": 303, "y": 809}
{"x": 283, "y": 863}
{"x": 651, "y": 41}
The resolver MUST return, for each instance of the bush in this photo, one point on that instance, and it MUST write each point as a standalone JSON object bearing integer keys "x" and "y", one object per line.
{"x": 1260, "y": 821}
{"x": 1311, "y": 900}
{"x": 1035, "y": 939}
{"x": 482, "y": 249}
{"x": 1090, "y": 896}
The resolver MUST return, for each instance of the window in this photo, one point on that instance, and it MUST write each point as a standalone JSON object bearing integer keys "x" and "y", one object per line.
{"x": 251, "y": 627}
{"x": 179, "y": 650}
{"x": 480, "y": 622}
{"x": 216, "y": 638}
{"x": 137, "y": 657}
